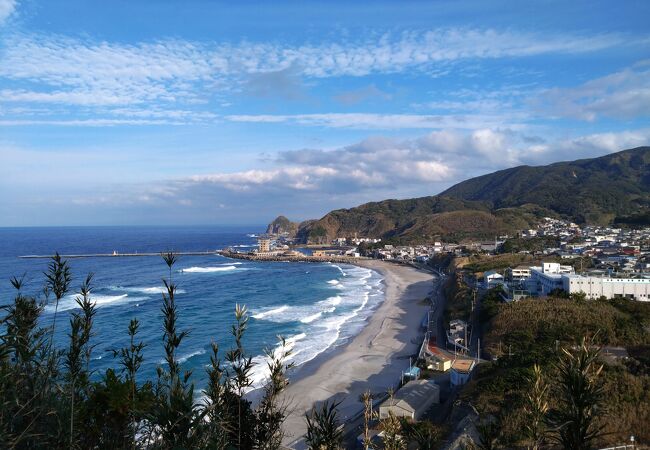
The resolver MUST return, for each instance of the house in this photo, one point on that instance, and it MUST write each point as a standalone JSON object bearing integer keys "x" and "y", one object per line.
{"x": 458, "y": 332}
{"x": 491, "y": 279}
{"x": 412, "y": 400}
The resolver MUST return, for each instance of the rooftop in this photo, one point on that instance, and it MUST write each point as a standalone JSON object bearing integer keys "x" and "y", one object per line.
{"x": 463, "y": 365}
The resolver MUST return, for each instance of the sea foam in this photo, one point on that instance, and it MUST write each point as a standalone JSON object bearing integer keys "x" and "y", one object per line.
{"x": 209, "y": 269}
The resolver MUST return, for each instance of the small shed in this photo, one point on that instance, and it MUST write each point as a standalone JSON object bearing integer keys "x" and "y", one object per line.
{"x": 461, "y": 370}
{"x": 412, "y": 400}
{"x": 412, "y": 373}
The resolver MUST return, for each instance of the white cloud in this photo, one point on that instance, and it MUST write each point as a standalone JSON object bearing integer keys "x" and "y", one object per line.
{"x": 621, "y": 95}
{"x": 85, "y": 72}
{"x": 7, "y": 8}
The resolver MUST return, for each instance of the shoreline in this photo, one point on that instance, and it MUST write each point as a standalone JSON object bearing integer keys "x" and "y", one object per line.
{"x": 372, "y": 359}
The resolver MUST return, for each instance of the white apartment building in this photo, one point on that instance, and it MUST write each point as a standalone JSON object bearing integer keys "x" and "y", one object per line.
{"x": 546, "y": 278}
{"x": 596, "y": 287}
{"x": 519, "y": 273}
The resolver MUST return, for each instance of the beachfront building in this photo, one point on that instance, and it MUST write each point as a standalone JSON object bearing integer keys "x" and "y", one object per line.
{"x": 434, "y": 357}
{"x": 412, "y": 400}
{"x": 263, "y": 245}
{"x": 610, "y": 287}
{"x": 461, "y": 370}
{"x": 547, "y": 278}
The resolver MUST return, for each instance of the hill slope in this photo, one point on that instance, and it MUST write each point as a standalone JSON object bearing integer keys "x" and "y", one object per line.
{"x": 590, "y": 190}
{"x": 422, "y": 219}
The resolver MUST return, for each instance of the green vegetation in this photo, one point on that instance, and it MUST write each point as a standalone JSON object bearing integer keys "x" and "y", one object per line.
{"x": 533, "y": 244}
{"x": 533, "y": 332}
{"x": 483, "y": 263}
{"x": 459, "y": 298}
{"x": 48, "y": 400}
{"x": 324, "y": 431}
{"x": 589, "y": 190}
{"x": 420, "y": 220}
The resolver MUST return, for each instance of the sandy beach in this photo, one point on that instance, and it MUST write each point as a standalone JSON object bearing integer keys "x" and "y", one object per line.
{"x": 374, "y": 359}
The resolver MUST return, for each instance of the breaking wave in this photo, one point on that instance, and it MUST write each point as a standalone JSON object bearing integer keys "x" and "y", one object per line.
{"x": 69, "y": 302}
{"x": 270, "y": 312}
{"x": 144, "y": 290}
{"x": 209, "y": 269}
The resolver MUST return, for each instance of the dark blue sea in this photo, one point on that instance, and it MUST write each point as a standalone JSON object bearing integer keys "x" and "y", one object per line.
{"x": 314, "y": 306}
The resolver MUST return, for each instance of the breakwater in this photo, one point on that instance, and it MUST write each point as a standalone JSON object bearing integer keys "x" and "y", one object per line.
{"x": 293, "y": 257}
{"x": 119, "y": 255}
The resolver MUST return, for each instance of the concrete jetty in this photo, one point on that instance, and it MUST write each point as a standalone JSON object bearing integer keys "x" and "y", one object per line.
{"x": 293, "y": 257}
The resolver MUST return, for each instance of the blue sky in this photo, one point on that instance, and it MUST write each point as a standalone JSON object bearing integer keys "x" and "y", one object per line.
{"x": 200, "y": 112}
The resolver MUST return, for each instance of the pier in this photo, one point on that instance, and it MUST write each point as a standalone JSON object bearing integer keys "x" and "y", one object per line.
{"x": 122, "y": 255}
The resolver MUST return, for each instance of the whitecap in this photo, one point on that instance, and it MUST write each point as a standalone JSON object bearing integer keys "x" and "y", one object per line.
{"x": 209, "y": 269}
{"x": 270, "y": 312}
{"x": 336, "y": 300}
{"x": 184, "y": 358}
{"x": 144, "y": 290}
{"x": 310, "y": 319}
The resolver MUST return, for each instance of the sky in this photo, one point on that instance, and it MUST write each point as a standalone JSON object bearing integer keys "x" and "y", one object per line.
{"x": 146, "y": 112}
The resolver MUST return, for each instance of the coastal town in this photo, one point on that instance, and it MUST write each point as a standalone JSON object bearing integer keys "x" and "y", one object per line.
{"x": 591, "y": 261}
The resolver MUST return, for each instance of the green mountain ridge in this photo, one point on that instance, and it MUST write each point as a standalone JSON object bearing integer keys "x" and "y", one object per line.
{"x": 595, "y": 190}
{"x": 615, "y": 187}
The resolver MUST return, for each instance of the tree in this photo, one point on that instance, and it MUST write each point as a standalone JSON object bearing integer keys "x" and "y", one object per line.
{"x": 271, "y": 412}
{"x": 425, "y": 434}
{"x": 536, "y": 407}
{"x": 174, "y": 417}
{"x": 324, "y": 431}
{"x": 579, "y": 395}
{"x": 368, "y": 415}
{"x": 77, "y": 358}
{"x": 489, "y": 431}
{"x": 392, "y": 428}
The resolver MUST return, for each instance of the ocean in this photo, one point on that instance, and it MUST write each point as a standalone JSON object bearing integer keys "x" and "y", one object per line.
{"x": 315, "y": 306}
